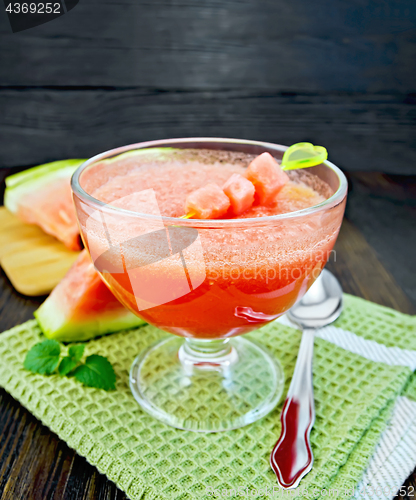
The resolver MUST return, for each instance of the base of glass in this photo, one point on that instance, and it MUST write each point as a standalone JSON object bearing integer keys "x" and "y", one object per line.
{"x": 206, "y": 386}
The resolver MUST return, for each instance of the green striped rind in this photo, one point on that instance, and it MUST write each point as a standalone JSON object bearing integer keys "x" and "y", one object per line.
{"x": 56, "y": 325}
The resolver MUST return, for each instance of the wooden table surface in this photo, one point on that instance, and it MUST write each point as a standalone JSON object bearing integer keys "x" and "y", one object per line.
{"x": 36, "y": 465}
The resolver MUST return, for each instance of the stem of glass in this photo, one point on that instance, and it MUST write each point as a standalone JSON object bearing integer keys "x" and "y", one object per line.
{"x": 207, "y": 354}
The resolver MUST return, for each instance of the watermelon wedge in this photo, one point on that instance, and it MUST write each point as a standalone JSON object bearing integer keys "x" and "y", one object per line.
{"x": 81, "y": 307}
{"x": 42, "y": 196}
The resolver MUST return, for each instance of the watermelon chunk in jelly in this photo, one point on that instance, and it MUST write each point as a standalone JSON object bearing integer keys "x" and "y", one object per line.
{"x": 240, "y": 191}
{"x": 267, "y": 176}
{"x": 208, "y": 202}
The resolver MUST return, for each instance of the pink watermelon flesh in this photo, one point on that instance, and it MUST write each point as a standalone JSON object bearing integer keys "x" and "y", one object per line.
{"x": 240, "y": 191}
{"x": 82, "y": 307}
{"x": 42, "y": 195}
{"x": 51, "y": 207}
{"x": 267, "y": 176}
{"x": 208, "y": 202}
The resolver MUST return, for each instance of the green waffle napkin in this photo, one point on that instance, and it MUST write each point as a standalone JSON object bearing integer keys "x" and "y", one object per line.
{"x": 149, "y": 460}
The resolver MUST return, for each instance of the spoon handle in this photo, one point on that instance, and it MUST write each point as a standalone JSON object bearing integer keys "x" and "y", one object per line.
{"x": 292, "y": 458}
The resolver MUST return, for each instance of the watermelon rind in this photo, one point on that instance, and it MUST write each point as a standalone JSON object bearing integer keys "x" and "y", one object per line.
{"x": 55, "y": 325}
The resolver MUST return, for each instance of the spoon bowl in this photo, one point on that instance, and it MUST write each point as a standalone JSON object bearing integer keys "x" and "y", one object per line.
{"x": 321, "y": 306}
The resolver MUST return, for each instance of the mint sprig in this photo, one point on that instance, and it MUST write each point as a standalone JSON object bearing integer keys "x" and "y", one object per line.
{"x": 45, "y": 358}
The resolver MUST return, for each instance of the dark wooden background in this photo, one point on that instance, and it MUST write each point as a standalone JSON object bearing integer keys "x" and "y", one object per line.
{"x": 111, "y": 72}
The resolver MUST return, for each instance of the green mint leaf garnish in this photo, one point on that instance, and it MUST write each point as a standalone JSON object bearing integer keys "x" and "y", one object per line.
{"x": 76, "y": 351}
{"x": 96, "y": 372}
{"x": 43, "y": 357}
{"x": 67, "y": 365}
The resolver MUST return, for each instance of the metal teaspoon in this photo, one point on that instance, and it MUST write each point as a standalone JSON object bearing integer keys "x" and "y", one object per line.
{"x": 292, "y": 458}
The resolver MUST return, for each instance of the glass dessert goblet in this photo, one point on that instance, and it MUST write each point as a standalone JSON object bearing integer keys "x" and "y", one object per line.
{"x": 205, "y": 281}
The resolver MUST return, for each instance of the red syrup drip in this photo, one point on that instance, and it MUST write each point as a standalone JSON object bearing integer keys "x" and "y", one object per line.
{"x": 287, "y": 459}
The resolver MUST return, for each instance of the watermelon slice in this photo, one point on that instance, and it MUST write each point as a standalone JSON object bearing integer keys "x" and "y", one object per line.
{"x": 267, "y": 176}
{"x": 240, "y": 191}
{"x": 42, "y": 196}
{"x": 208, "y": 202}
{"x": 82, "y": 307}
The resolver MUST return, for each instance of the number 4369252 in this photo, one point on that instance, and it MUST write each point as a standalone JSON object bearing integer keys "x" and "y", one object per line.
{"x": 34, "y": 8}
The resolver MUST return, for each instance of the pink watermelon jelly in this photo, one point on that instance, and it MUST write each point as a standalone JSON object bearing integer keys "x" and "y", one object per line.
{"x": 267, "y": 176}
{"x": 243, "y": 275}
{"x": 240, "y": 191}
